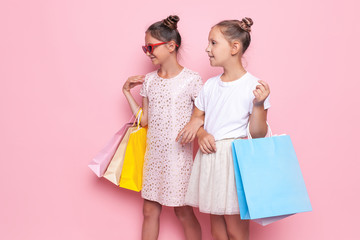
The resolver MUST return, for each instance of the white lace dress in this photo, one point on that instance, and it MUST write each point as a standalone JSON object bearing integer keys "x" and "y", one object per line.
{"x": 167, "y": 165}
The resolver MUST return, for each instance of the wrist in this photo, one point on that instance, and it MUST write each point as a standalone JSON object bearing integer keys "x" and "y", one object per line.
{"x": 259, "y": 105}
{"x": 198, "y": 122}
{"x": 200, "y": 132}
{"x": 126, "y": 91}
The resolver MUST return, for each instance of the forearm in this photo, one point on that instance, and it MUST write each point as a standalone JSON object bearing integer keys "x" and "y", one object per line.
{"x": 197, "y": 121}
{"x": 200, "y": 131}
{"x": 258, "y": 126}
{"x": 189, "y": 132}
{"x": 134, "y": 106}
{"x": 197, "y": 117}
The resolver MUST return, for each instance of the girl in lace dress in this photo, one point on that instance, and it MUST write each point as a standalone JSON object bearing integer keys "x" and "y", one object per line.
{"x": 229, "y": 102}
{"x": 168, "y": 94}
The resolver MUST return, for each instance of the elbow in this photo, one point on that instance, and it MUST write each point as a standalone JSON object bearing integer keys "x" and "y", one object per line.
{"x": 258, "y": 130}
{"x": 143, "y": 123}
{"x": 259, "y": 133}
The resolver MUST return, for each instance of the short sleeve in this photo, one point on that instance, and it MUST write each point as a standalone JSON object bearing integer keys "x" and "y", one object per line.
{"x": 267, "y": 104}
{"x": 200, "y": 100}
{"x": 144, "y": 88}
{"x": 196, "y": 87}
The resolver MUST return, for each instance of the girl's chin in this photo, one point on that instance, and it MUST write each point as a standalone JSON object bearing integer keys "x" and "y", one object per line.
{"x": 154, "y": 61}
{"x": 215, "y": 64}
{"x": 212, "y": 64}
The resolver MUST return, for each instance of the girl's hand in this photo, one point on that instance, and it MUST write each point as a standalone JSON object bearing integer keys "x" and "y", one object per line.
{"x": 132, "y": 82}
{"x": 206, "y": 142}
{"x": 261, "y": 92}
{"x": 188, "y": 133}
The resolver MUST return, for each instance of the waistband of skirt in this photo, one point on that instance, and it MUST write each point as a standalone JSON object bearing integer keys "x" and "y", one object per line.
{"x": 230, "y": 139}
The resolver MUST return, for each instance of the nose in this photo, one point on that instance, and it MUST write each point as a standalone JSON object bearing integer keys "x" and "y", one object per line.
{"x": 207, "y": 49}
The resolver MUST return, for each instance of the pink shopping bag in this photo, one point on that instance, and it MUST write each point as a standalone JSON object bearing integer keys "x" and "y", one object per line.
{"x": 101, "y": 161}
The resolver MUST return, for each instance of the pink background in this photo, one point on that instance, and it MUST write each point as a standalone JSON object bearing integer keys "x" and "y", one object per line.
{"x": 62, "y": 66}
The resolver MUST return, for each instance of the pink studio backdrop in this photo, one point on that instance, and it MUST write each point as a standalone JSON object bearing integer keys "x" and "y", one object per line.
{"x": 62, "y": 66}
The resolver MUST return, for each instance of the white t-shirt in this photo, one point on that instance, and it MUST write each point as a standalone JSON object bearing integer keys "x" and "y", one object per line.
{"x": 227, "y": 105}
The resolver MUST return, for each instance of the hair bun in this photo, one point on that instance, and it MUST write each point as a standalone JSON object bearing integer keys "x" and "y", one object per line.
{"x": 246, "y": 24}
{"x": 171, "y": 22}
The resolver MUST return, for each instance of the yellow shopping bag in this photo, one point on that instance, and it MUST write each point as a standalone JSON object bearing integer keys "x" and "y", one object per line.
{"x": 132, "y": 171}
{"x": 113, "y": 171}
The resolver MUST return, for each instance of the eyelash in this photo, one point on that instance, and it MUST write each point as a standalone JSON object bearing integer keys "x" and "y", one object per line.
{"x": 213, "y": 42}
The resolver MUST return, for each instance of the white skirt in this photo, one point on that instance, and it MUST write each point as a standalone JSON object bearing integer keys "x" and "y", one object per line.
{"x": 212, "y": 182}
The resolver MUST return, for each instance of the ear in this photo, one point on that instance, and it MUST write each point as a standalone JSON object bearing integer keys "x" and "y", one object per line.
{"x": 171, "y": 46}
{"x": 236, "y": 47}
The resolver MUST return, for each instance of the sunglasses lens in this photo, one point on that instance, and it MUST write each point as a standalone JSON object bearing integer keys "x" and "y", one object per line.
{"x": 144, "y": 49}
{"x": 150, "y": 48}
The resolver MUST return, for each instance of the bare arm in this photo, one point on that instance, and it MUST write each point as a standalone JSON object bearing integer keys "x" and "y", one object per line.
{"x": 144, "y": 119}
{"x": 188, "y": 133}
{"x": 258, "y": 126}
{"x": 257, "y": 120}
{"x": 206, "y": 141}
{"x": 134, "y": 106}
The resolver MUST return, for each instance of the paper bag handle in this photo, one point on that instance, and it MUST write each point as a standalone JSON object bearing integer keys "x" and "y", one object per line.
{"x": 138, "y": 118}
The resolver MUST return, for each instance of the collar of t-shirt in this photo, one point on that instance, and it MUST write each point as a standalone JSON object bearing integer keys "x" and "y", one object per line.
{"x": 232, "y": 83}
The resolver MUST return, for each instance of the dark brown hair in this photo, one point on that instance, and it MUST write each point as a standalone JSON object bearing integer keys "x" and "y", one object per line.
{"x": 237, "y": 30}
{"x": 166, "y": 30}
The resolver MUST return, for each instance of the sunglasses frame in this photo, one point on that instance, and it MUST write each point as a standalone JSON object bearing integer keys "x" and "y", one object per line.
{"x": 146, "y": 47}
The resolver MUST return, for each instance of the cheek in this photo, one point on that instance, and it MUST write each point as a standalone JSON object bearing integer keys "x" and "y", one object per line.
{"x": 158, "y": 56}
{"x": 218, "y": 52}
{"x": 158, "y": 52}
{"x": 223, "y": 52}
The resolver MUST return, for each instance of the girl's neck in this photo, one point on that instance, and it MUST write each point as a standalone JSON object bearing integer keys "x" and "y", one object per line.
{"x": 170, "y": 68}
{"x": 233, "y": 72}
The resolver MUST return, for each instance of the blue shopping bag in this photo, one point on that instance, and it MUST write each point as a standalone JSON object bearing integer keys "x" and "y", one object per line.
{"x": 269, "y": 182}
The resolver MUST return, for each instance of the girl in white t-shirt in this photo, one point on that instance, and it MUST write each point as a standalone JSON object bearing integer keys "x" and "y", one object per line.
{"x": 227, "y": 103}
